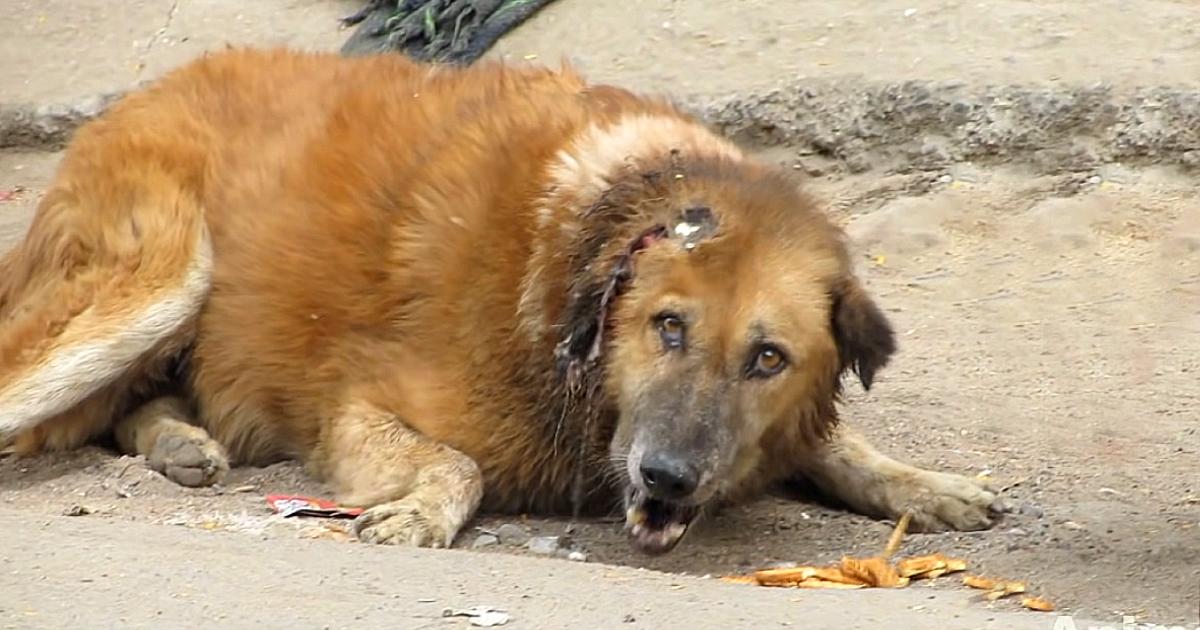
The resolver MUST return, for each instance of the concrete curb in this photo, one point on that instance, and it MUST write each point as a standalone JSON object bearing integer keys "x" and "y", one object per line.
{"x": 918, "y": 125}
{"x": 858, "y": 126}
{"x": 48, "y": 127}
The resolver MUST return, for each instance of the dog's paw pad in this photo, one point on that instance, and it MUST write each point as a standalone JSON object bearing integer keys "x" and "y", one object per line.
{"x": 187, "y": 460}
{"x": 949, "y": 502}
{"x": 404, "y": 522}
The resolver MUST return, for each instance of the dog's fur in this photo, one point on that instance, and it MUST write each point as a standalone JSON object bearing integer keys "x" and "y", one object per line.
{"x": 441, "y": 288}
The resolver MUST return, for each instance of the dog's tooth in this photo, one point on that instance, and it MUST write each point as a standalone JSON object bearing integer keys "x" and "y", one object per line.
{"x": 635, "y": 515}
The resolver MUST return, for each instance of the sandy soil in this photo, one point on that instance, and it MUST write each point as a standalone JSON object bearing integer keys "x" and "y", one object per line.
{"x": 1050, "y": 324}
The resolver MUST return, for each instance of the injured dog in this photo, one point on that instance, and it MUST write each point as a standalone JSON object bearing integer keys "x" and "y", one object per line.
{"x": 446, "y": 290}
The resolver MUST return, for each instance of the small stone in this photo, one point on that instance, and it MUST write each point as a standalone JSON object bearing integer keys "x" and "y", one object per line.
{"x": 1072, "y": 525}
{"x": 577, "y": 556}
{"x": 1032, "y": 509}
{"x": 510, "y": 534}
{"x": 629, "y": 619}
{"x": 485, "y": 540}
{"x": 77, "y": 510}
{"x": 544, "y": 545}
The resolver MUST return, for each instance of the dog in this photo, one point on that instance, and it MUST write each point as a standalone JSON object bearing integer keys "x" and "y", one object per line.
{"x": 445, "y": 290}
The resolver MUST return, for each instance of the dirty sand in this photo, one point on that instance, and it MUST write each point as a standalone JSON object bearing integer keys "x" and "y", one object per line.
{"x": 1050, "y": 340}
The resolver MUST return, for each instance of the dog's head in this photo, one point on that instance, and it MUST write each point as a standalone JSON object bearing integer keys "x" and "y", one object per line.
{"x": 737, "y": 314}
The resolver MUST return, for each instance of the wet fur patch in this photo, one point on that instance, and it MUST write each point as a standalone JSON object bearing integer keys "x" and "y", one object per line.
{"x": 584, "y": 344}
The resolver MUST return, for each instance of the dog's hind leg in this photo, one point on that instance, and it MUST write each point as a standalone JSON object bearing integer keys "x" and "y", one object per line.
{"x": 105, "y": 284}
{"x": 851, "y": 470}
{"x": 74, "y": 428}
{"x": 184, "y": 453}
{"x": 416, "y": 491}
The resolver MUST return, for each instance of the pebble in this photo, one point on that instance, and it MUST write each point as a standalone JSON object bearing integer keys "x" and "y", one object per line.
{"x": 510, "y": 534}
{"x": 544, "y": 545}
{"x": 485, "y": 540}
{"x": 577, "y": 556}
{"x": 1032, "y": 509}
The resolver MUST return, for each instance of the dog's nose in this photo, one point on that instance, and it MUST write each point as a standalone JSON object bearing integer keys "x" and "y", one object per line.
{"x": 668, "y": 477}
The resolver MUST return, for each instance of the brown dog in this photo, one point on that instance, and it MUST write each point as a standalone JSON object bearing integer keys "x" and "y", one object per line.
{"x": 444, "y": 289}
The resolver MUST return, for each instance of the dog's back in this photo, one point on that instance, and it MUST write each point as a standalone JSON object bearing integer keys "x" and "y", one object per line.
{"x": 278, "y": 214}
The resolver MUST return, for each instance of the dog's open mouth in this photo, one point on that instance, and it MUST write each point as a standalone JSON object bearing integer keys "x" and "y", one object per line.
{"x": 656, "y": 526}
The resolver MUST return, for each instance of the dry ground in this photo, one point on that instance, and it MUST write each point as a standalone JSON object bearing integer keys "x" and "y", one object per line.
{"x": 1050, "y": 325}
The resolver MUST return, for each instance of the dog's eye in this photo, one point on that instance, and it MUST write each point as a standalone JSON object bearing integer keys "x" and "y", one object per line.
{"x": 672, "y": 330}
{"x": 767, "y": 361}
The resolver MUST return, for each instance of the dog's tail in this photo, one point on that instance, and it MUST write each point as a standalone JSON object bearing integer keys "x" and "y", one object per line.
{"x": 107, "y": 275}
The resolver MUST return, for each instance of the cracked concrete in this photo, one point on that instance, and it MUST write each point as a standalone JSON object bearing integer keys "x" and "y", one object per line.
{"x": 91, "y": 48}
{"x": 148, "y": 47}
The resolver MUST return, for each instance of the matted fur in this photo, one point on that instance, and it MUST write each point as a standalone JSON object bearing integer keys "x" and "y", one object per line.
{"x": 433, "y": 285}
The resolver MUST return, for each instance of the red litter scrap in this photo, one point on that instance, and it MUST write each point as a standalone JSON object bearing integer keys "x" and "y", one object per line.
{"x": 294, "y": 505}
{"x": 11, "y": 194}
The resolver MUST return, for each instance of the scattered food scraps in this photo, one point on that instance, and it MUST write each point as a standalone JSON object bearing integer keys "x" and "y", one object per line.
{"x": 995, "y": 588}
{"x": 1037, "y": 603}
{"x": 819, "y": 583}
{"x": 328, "y": 532}
{"x": 897, "y": 537}
{"x": 929, "y": 567}
{"x": 794, "y": 575}
{"x": 875, "y": 571}
{"x": 880, "y": 572}
{"x": 291, "y": 505}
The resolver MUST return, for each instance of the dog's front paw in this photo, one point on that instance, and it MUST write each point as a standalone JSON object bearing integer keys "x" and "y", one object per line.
{"x": 945, "y": 502}
{"x": 188, "y": 460}
{"x": 408, "y": 521}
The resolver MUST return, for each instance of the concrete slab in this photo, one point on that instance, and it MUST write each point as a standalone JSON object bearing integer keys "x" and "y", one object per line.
{"x": 71, "y": 572}
{"x": 62, "y": 50}
{"x": 751, "y": 44}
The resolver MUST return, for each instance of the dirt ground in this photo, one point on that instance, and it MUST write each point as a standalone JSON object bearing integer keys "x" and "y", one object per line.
{"x": 1050, "y": 324}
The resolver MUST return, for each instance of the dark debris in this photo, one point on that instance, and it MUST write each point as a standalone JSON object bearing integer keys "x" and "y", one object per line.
{"x": 448, "y": 31}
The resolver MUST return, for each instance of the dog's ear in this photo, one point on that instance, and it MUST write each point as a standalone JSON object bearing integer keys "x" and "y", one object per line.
{"x": 864, "y": 336}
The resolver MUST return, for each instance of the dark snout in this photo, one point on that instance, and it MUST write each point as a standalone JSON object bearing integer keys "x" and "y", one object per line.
{"x": 680, "y": 446}
{"x": 668, "y": 476}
